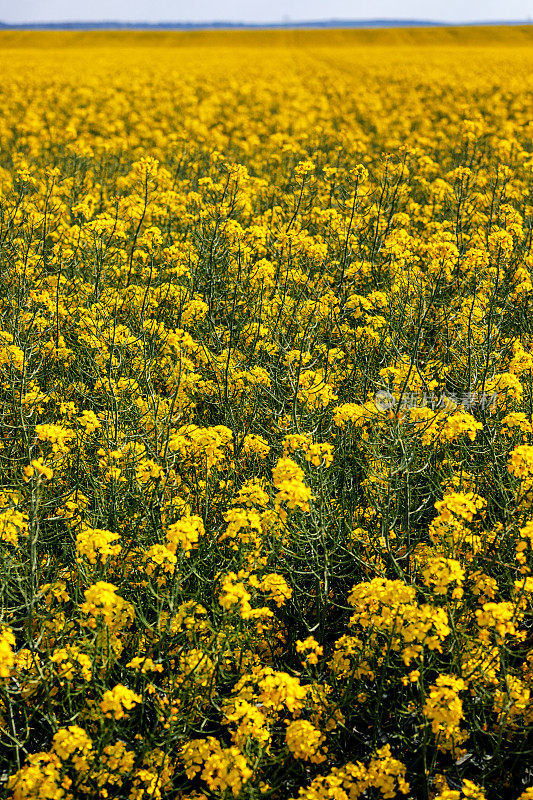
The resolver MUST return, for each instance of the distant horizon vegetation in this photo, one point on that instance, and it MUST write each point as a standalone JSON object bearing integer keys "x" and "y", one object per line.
{"x": 224, "y": 24}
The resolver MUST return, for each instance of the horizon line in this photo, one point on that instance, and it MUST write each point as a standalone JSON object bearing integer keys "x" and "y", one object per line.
{"x": 381, "y": 22}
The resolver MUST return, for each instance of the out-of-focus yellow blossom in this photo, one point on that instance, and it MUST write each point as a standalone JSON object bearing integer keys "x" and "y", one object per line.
{"x": 305, "y": 741}
{"x": 144, "y": 665}
{"x": 440, "y": 573}
{"x": 13, "y": 523}
{"x": 521, "y": 461}
{"x": 41, "y": 776}
{"x": 37, "y": 466}
{"x": 468, "y": 791}
{"x": 89, "y": 421}
{"x": 7, "y": 656}
{"x": 311, "y": 650}
{"x": 500, "y": 617}
{"x": 73, "y": 743}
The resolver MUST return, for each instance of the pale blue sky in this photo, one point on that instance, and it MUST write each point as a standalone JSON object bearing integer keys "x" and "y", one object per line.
{"x": 261, "y": 10}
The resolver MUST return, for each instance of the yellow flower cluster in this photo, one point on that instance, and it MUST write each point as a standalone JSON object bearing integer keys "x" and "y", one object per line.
{"x": 390, "y": 609}
{"x": 444, "y": 709}
{"x": 118, "y": 700}
{"x": 97, "y": 545}
{"x": 222, "y": 768}
{"x": 7, "y": 656}
{"x": 13, "y": 523}
{"x": 103, "y": 603}
{"x": 311, "y": 649}
{"x": 185, "y": 533}
{"x": 441, "y": 573}
{"x": 288, "y": 478}
{"x": 70, "y": 662}
{"x": 304, "y": 741}
{"x": 383, "y": 773}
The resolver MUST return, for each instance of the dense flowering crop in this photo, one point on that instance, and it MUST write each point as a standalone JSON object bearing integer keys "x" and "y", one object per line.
{"x": 266, "y": 436}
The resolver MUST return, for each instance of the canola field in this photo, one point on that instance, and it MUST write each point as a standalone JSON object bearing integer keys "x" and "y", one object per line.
{"x": 266, "y": 437}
